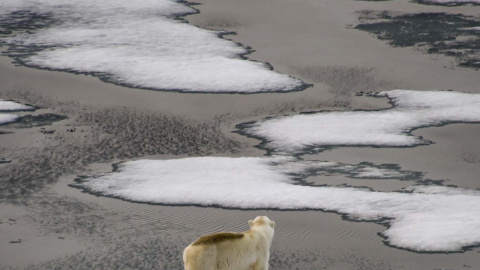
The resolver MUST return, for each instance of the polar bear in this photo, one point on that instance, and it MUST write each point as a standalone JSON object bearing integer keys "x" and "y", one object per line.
{"x": 249, "y": 250}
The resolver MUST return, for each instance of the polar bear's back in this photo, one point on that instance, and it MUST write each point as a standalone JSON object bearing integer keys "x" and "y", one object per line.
{"x": 217, "y": 238}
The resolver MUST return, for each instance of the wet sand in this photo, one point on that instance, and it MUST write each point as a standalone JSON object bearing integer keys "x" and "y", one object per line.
{"x": 61, "y": 227}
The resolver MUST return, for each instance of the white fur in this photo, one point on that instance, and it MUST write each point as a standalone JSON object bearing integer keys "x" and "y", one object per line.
{"x": 251, "y": 252}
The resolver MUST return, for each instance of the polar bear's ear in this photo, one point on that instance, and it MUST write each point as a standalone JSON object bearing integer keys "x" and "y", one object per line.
{"x": 250, "y": 223}
{"x": 272, "y": 224}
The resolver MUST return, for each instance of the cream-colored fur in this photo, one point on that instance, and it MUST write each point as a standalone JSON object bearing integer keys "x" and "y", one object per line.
{"x": 249, "y": 250}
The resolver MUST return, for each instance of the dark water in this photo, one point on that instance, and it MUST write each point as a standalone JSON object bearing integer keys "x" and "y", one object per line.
{"x": 438, "y": 33}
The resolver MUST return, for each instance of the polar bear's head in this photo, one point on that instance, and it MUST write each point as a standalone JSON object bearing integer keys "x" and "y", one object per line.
{"x": 263, "y": 223}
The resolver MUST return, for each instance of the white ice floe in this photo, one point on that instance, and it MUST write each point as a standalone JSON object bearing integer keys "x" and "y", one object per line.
{"x": 137, "y": 43}
{"x": 427, "y": 218}
{"x": 10, "y": 106}
{"x": 7, "y": 118}
{"x": 390, "y": 127}
{"x": 6, "y": 105}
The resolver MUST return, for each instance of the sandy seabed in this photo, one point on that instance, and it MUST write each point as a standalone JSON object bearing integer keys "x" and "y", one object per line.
{"x": 45, "y": 224}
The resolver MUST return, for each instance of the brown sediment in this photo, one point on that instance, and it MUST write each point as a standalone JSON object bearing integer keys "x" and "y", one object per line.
{"x": 216, "y": 238}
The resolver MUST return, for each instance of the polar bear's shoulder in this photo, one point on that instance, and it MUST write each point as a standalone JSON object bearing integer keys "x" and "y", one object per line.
{"x": 216, "y": 238}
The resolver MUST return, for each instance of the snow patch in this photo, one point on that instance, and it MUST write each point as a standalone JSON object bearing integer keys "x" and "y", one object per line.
{"x": 10, "y": 106}
{"x": 7, "y": 118}
{"x": 426, "y": 218}
{"x": 6, "y": 105}
{"x": 390, "y": 127}
{"x": 135, "y": 43}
